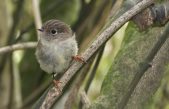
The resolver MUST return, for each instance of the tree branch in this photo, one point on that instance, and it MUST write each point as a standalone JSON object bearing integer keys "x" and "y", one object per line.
{"x": 11, "y": 90}
{"x": 75, "y": 88}
{"x": 92, "y": 73}
{"x": 85, "y": 100}
{"x": 53, "y": 93}
{"x": 18, "y": 46}
{"x": 10, "y": 38}
{"x": 144, "y": 66}
{"x": 37, "y": 16}
{"x": 44, "y": 14}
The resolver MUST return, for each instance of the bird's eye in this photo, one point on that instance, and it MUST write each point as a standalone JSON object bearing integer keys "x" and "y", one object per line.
{"x": 53, "y": 32}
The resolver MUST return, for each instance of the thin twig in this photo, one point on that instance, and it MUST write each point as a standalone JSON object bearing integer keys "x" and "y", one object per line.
{"x": 44, "y": 14}
{"x": 94, "y": 69}
{"x": 53, "y": 93}
{"x": 10, "y": 40}
{"x": 144, "y": 66}
{"x": 92, "y": 75}
{"x": 22, "y": 32}
{"x": 85, "y": 100}
{"x": 37, "y": 16}
{"x": 16, "y": 20}
{"x": 81, "y": 77}
{"x": 72, "y": 96}
{"x": 11, "y": 90}
{"x": 18, "y": 46}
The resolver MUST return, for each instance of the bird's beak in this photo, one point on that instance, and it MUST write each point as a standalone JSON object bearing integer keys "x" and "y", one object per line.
{"x": 41, "y": 30}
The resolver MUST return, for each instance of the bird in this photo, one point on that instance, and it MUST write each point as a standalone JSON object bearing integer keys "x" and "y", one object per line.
{"x": 56, "y": 48}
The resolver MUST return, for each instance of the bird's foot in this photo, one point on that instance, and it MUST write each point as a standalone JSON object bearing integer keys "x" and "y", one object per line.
{"x": 79, "y": 59}
{"x": 56, "y": 84}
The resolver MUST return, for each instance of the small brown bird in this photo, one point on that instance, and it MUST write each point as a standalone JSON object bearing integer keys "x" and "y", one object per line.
{"x": 56, "y": 47}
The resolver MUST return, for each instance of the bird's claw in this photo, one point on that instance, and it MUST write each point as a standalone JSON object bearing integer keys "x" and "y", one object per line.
{"x": 56, "y": 84}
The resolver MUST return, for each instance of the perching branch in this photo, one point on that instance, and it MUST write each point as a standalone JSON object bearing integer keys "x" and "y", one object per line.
{"x": 53, "y": 93}
{"x": 18, "y": 46}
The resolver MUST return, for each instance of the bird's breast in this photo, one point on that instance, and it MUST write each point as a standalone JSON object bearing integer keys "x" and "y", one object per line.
{"x": 56, "y": 57}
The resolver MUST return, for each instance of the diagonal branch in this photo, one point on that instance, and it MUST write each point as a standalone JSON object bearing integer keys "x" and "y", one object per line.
{"x": 53, "y": 93}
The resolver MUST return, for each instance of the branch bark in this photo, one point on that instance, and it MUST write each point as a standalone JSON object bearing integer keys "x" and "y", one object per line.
{"x": 53, "y": 93}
